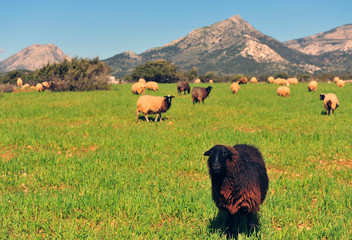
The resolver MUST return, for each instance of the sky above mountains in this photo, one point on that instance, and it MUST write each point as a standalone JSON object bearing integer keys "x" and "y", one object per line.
{"x": 87, "y": 28}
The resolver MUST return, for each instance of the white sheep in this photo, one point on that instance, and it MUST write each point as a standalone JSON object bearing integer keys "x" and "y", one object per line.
{"x": 138, "y": 88}
{"x": 235, "y": 87}
{"x": 152, "y": 86}
{"x": 271, "y": 79}
{"x": 312, "y": 86}
{"x": 19, "y": 82}
{"x": 283, "y": 91}
{"x": 197, "y": 81}
{"x": 292, "y": 80}
{"x": 340, "y": 83}
{"x": 330, "y": 102}
{"x": 39, "y": 87}
{"x": 253, "y": 80}
{"x": 153, "y": 105}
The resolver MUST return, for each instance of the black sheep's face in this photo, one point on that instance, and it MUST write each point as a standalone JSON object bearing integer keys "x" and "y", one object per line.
{"x": 322, "y": 96}
{"x": 208, "y": 89}
{"x": 218, "y": 156}
{"x": 168, "y": 99}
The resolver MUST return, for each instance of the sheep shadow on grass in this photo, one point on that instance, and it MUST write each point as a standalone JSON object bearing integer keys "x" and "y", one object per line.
{"x": 218, "y": 224}
{"x": 151, "y": 119}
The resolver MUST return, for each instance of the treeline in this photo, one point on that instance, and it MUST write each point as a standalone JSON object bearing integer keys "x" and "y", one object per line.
{"x": 79, "y": 74}
{"x": 166, "y": 72}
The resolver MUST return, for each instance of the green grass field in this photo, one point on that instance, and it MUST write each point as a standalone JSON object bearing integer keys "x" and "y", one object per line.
{"x": 75, "y": 165}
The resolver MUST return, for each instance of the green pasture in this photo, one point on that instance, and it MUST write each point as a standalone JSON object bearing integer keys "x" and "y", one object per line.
{"x": 75, "y": 165}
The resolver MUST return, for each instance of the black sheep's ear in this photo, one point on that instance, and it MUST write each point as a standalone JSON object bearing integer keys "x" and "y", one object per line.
{"x": 207, "y": 153}
{"x": 172, "y": 96}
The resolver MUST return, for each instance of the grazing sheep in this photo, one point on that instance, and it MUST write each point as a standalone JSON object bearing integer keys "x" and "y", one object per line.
{"x": 200, "y": 94}
{"x": 292, "y": 80}
{"x": 197, "y": 81}
{"x": 242, "y": 80}
{"x": 142, "y": 80}
{"x": 47, "y": 85}
{"x": 19, "y": 82}
{"x": 312, "y": 86}
{"x": 183, "y": 87}
{"x": 138, "y": 88}
{"x": 153, "y": 105}
{"x": 340, "y": 83}
{"x": 283, "y": 91}
{"x": 25, "y": 86}
{"x": 336, "y": 79}
{"x": 280, "y": 81}
{"x": 39, "y": 87}
{"x": 235, "y": 87}
{"x": 152, "y": 86}
{"x": 211, "y": 81}
{"x": 239, "y": 184}
{"x": 271, "y": 79}
{"x": 330, "y": 102}
{"x": 253, "y": 80}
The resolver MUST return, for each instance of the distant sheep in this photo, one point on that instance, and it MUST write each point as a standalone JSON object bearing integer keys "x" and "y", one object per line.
{"x": 280, "y": 81}
{"x": 199, "y": 94}
{"x": 235, "y": 87}
{"x": 138, "y": 88}
{"x": 271, "y": 79}
{"x": 25, "y": 86}
{"x": 292, "y": 80}
{"x": 211, "y": 81}
{"x": 152, "y": 86}
{"x": 47, "y": 85}
{"x": 253, "y": 80}
{"x": 312, "y": 86}
{"x": 197, "y": 81}
{"x": 153, "y": 105}
{"x": 340, "y": 83}
{"x": 243, "y": 80}
{"x": 331, "y": 102}
{"x": 39, "y": 87}
{"x": 142, "y": 80}
{"x": 183, "y": 87}
{"x": 19, "y": 82}
{"x": 283, "y": 91}
{"x": 336, "y": 79}
{"x": 239, "y": 184}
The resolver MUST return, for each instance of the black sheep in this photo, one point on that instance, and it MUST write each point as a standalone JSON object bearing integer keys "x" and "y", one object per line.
{"x": 239, "y": 183}
{"x": 200, "y": 93}
{"x": 183, "y": 87}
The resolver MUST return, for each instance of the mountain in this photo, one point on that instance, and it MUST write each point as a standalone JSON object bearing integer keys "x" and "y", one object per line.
{"x": 228, "y": 46}
{"x": 33, "y": 57}
{"x": 338, "y": 39}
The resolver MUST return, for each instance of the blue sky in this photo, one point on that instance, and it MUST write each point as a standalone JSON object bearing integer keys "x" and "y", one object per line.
{"x": 103, "y": 28}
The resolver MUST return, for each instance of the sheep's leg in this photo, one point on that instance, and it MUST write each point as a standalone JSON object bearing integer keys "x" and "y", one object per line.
{"x": 156, "y": 118}
{"x": 146, "y": 118}
{"x": 137, "y": 116}
{"x": 161, "y": 119}
{"x": 252, "y": 224}
{"x": 232, "y": 227}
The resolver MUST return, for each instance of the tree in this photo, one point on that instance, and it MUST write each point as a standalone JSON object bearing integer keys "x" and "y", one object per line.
{"x": 159, "y": 71}
{"x": 192, "y": 74}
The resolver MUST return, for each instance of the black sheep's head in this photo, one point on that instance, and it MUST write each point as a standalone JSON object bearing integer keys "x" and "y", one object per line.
{"x": 208, "y": 89}
{"x": 218, "y": 156}
{"x": 168, "y": 99}
{"x": 322, "y": 96}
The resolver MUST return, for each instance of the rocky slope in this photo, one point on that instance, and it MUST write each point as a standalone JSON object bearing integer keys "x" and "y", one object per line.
{"x": 33, "y": 57}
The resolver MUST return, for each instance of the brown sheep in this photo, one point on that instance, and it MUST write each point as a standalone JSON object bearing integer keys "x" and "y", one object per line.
{"x": 199, "y": 94}
{"x": 283, "y": 91}
{"x": 242, "y": 80}
{"x": 153, "y": 105}
{"x": 183, "y": 87}
{"x": 138, "y": 88}
{"x": 331, "y": 102}
{"x": 239, "y": 184}
{"x": 235, "y": 87}
{"x": 312, "y": 86}
{"x": 152, "y": 86}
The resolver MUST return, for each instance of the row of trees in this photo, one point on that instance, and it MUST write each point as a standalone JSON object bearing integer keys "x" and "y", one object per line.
{"x": 79, "y": 74}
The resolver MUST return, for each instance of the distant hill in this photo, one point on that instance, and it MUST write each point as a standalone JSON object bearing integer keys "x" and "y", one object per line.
{"x": 33, "y": 57}
{"x": 228, "y": 46}
{"x": 337, "y": 39}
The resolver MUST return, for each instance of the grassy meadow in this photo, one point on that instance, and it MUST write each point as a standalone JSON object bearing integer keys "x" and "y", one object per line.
{"x": 75, "y": 165}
